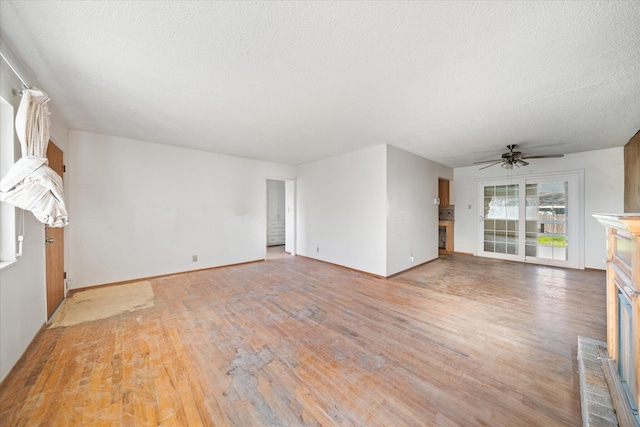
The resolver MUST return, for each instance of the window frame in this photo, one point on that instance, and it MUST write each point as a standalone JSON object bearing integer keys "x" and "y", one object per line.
{"x": 8, "y": 254}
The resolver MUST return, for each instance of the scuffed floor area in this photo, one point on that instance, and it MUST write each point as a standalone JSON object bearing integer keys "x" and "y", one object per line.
{"x": 101, "y": 303}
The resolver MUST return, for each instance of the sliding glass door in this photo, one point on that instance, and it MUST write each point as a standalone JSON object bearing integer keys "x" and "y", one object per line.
{"x": 529, "y": 219}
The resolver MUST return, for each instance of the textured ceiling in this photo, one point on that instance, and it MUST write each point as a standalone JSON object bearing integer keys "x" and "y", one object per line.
{"x": 293, "y": 82}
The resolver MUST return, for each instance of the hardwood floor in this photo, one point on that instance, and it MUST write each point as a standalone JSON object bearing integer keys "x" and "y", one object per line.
{"x": 461, "y": 341}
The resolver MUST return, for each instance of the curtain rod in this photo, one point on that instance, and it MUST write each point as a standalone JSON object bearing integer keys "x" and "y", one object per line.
{"x": 24, "y": 84}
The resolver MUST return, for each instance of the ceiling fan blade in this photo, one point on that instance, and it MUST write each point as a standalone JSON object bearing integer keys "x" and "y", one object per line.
{"x": 548, "y": 156}
{"x": 514, "y": 158}
{"x": 488, "y": 161}
{"x": 492, "y": 164}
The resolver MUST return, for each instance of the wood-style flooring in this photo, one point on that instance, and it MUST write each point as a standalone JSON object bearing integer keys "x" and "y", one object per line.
{"x": 460, "y": 341}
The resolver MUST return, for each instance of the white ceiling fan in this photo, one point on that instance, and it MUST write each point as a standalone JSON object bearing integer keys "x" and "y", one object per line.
{"x": 515, "y": 158}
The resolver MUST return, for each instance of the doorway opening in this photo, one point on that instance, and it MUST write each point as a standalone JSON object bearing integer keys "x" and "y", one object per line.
{"x": 280, "y": 236}
{"x": 276, "y": 220}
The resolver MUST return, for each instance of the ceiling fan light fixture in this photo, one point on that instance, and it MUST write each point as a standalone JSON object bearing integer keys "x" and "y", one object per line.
{"x": 507, "y": 165}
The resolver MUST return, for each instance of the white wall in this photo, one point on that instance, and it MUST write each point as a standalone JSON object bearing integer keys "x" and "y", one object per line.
{"x": 341, "y": 210}
{"x": 603, "y": 192}
{"x": 142, "y": 209}
{"x": 22, "y": 285}
{"x": 290, "y": 215}
{"x": 412, "y": 216}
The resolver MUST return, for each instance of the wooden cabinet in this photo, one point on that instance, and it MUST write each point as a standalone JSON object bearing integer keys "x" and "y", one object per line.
{"x": 623, "y": 308}
{"x": 443, "y": 191}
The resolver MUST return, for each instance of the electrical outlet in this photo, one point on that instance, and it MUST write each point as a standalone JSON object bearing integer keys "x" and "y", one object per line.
{"x": 317, "y": 248}
{"x": 411, "y": 257}
{"x": 195, "y": 258}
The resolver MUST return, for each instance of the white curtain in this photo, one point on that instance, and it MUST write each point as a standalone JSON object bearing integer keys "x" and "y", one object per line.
{"x": 31, "y": 184}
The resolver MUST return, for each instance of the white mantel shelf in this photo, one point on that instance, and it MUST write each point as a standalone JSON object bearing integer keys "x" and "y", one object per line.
{"x": 627, "y": 221}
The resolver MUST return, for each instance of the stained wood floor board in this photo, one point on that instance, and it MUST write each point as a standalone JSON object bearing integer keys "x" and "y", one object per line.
{"x": 461, "y": 341}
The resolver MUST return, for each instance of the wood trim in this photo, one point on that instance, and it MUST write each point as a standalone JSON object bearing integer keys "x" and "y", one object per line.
{"x": 632, "y": 174}
{"x": 623, "y": 411}
{"x": 124, "y": 282}
{"x": 449, "y": 228}
{"x": 22, "y": 359}
{"x": 629, "y": 222}
{"x": 612, "y": 314}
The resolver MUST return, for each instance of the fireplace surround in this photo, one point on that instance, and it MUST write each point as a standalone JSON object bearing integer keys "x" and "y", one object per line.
{"x": 446, "y": 216}
{"x": 622, "y": 358}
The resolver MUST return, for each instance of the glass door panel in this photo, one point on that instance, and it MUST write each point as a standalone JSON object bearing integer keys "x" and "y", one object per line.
{"x": 546, "y": 220}
{"x": 501, "y": 215}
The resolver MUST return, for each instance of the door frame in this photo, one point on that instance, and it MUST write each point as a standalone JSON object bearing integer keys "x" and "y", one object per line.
{"x": 576, "y": 221}
{"x": 290, "y": 213}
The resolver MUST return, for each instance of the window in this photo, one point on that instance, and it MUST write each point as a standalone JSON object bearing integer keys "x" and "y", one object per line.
{"x": 7, "y": 211}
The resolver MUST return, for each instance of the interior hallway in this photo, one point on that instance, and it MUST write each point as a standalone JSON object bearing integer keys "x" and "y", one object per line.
{"x": 293, "y": 341}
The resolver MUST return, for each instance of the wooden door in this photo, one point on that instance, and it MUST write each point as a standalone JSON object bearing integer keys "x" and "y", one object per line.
{"x": 54, "y": 244}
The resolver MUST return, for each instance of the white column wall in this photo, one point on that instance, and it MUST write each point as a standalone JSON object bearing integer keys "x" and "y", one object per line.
{"x": 603, "y": 192}
{"x": 142, "y": 209}
{"x": 341, "y": 210}
{"x": 412, "y": 216}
